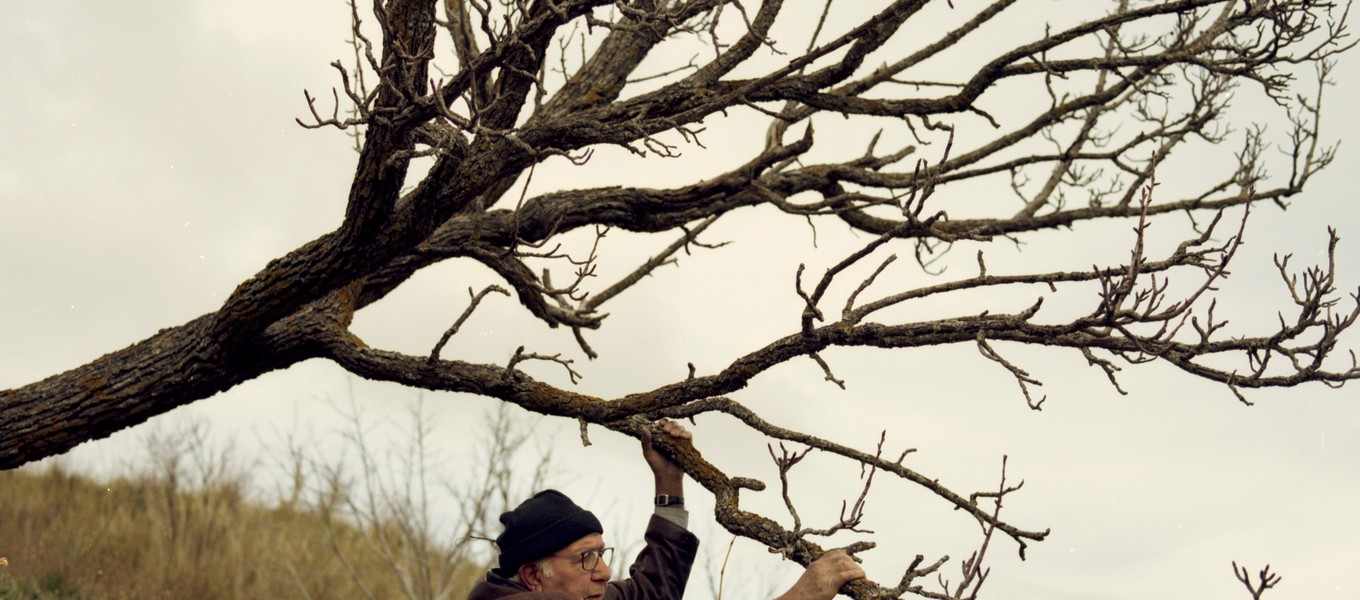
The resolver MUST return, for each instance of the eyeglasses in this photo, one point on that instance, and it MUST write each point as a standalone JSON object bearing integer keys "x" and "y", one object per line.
{"x": 591, "y": 559}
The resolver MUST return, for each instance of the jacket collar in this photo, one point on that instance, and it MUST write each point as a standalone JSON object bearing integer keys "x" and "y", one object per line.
{"x": 494, "y": 586}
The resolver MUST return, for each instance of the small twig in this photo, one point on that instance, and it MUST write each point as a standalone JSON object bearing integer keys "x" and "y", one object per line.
{"x": 974, "y": 574}
{"x": 467, "y": 312}
{"x": 826, "y": 368}
{"x": 690, "y": 237}
{"x": 1266, "y": 580}
{"x": 521, "y": 356}
{"x": 868, "y": 281}
{"x": 784, "y": 462}
{"x": 585, "y": 433}
{"x": 722, "y": 572}
{"x": 1022, "y": 376}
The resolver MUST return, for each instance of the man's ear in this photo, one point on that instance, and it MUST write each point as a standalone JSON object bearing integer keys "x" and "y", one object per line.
{"x": 530, "y": 575}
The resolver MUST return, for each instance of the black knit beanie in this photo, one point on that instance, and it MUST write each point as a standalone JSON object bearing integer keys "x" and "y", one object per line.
{"x": 540, "y": 526}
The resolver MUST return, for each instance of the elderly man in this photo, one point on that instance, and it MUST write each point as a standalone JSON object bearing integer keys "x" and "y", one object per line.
{"x": 552, "y": 549}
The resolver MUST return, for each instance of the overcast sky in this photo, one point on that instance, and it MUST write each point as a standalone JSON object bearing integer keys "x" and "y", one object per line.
{"x": 149, "y": 162}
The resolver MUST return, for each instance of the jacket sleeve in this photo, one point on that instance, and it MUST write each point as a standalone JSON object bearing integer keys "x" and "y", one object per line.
{"x": 662, "y": 568}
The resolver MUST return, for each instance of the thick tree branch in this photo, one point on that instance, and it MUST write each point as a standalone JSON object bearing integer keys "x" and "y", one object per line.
{"x": 1119, "y": 105}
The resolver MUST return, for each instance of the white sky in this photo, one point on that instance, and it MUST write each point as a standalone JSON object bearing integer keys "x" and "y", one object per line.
{"x": 149, "y": 162}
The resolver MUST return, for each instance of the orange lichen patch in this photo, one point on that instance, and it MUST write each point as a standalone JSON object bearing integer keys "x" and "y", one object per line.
{"x": 550, "y": 400}
{"x": 96, "y": 386}
{"x": 355, "y": 340}
{"x": 93, "y": 381}
{"x": 347, "y": 301}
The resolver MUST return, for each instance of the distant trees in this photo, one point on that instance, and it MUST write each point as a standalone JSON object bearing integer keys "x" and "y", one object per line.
{"x": 454, "y": 104}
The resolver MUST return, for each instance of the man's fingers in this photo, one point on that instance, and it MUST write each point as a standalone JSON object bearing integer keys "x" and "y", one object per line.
{"x": 854, "y": 571}
{"x": 675, "y": 429}
{"x": 842, "y": 567}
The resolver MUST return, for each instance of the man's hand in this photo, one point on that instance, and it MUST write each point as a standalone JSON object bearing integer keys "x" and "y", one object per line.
{"x": 670, "y": 479}
{"x": 824, "y": 577}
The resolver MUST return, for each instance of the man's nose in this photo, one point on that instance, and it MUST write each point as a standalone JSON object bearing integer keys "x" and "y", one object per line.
{"x": 601, "y": 572}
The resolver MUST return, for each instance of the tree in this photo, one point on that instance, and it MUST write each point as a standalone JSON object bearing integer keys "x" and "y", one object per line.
{"x": 450, "y": 138}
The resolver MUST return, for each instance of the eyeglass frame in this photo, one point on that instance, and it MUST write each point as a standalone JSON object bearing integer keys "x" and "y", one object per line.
{"x": 600, "y": 556}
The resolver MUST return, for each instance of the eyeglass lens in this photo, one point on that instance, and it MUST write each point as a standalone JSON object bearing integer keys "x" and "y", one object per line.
{"x": 591, "y": 559}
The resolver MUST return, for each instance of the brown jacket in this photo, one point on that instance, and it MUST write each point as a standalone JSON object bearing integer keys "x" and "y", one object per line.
{"x": 659, "y": 573}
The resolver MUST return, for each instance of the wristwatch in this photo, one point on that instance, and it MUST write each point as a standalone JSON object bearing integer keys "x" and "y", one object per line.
{"x": 664, "y": 500}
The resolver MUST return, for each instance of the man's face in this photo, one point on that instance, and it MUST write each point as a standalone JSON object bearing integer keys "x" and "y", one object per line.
{"x": 567, "y": 575}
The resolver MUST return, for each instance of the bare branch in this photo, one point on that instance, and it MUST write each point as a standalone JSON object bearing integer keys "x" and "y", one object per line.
{"x": 1264, "y": 580}
{"x": 472, "y": 305}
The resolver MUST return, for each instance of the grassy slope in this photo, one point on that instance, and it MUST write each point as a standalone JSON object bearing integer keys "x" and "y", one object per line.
{"x": 67, "y": 537}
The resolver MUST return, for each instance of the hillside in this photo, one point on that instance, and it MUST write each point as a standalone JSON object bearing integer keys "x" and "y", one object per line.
{"x": 68, "y": 537}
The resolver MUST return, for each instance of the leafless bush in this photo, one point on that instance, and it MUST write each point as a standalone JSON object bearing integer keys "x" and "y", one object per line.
{"x": 427, "y": 523}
